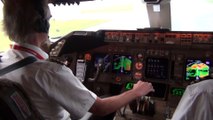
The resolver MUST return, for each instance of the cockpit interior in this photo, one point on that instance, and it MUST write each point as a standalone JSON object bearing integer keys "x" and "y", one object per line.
{"x": 161, "y": 43}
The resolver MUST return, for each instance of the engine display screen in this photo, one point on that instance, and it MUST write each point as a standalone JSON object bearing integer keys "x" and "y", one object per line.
{"x": 197, "y": 69}
{"x": 157, "y": 68}
{"x": 122, "y": 64}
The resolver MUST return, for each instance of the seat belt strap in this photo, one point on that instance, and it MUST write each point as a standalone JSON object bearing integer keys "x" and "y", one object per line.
{"x": 17, "y": 65}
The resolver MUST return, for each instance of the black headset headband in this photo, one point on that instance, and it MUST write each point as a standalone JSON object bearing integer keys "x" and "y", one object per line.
{"x": 42, "y": 24}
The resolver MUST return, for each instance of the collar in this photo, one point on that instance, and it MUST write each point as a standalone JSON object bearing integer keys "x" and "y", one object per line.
{"x": 32, "y": 49}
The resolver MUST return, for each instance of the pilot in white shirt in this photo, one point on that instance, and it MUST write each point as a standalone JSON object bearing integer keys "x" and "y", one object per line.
{"x": 53, "y": 88}
{"x": 48, "y": 87}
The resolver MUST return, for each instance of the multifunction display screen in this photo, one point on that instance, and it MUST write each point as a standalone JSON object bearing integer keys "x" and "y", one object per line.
{"x": 122, "y": 64}
{"x": 197, "y": 69}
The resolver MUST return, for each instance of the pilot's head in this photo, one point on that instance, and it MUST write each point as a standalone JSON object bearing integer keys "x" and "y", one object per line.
{"x": 23, "y": 19}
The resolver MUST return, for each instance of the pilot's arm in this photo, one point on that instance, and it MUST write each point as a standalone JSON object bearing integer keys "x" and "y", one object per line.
{"x": 62, "y": 87}
{"x": 108, "y": 105}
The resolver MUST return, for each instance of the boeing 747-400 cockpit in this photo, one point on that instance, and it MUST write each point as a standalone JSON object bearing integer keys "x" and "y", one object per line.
{"x": 111, "y": 44}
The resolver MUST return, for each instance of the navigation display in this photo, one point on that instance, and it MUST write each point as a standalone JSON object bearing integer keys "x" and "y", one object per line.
{"x": 197, "y": 69}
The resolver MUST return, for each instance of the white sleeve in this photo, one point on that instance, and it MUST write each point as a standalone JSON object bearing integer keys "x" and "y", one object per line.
{"x": 187, "y": 107}
{"x": 183, "y": 107}
{"x": 68, "y": 91}
{"x": 196, "y": 103}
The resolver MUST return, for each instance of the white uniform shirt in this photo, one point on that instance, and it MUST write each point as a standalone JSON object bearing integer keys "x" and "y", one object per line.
{"x": 196, "y": 103}
{"x": 56, "y": 92}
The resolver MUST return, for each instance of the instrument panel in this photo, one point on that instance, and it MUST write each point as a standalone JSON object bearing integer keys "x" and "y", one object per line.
{"x": 116, "y": 59}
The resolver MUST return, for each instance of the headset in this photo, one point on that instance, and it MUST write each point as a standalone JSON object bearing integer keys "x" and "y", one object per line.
{"x": 42, "y": 24}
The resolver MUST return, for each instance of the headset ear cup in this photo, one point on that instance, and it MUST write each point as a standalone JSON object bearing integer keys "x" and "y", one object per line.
{"x": 46, "y": 26}
{"x": 42, "y": 25}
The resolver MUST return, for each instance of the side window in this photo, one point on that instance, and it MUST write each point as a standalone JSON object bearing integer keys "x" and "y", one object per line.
{"x": 4, "y": 40}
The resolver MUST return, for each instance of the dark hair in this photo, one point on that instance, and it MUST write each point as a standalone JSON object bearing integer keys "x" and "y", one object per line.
{"x": 24, "y": 17}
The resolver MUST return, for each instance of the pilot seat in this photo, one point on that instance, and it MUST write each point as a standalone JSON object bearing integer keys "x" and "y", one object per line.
{"x": 15, "y": 104}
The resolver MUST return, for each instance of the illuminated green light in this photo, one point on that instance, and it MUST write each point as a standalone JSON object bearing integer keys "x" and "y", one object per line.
{"x": 129, "y": 86}
{"x": 177, "y": 91}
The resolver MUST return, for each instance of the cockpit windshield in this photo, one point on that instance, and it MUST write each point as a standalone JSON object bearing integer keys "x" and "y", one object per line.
{"x": 99, "y": 14}
{"x": 185, "y": 15}
{"x": 192, "y": 15}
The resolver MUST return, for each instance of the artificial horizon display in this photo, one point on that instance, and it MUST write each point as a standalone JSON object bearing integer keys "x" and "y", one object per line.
{"x": 122, "y": 64}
